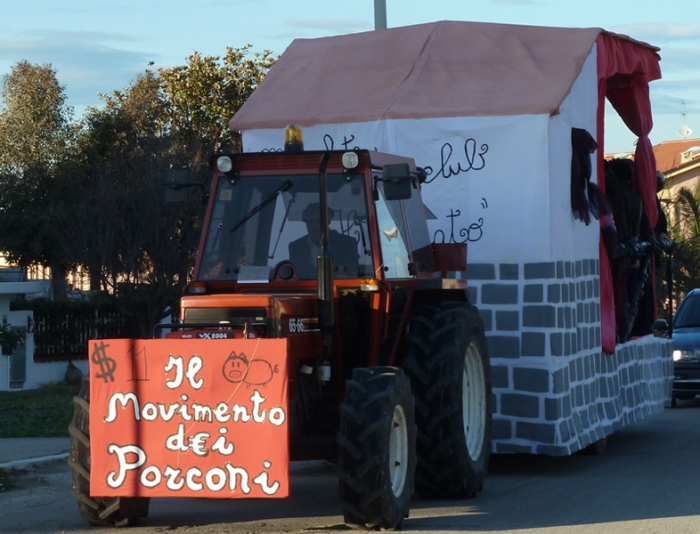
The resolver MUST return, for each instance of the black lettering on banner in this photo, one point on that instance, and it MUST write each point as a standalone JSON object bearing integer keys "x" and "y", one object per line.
{"x": 107, "y": 364}
{"x": 473, "y": 160}
{"x": 473, "y": 232}
{"x": 329, "y": 142}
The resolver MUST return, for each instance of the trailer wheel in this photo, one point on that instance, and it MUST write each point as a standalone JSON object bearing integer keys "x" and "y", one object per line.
{"x": 376, "y": 448}
{"x": 447, "y": 362}
{"x": 98, "y": 511}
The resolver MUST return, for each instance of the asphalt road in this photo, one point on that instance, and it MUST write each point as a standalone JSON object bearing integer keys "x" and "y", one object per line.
{"x": 647, "y": 480}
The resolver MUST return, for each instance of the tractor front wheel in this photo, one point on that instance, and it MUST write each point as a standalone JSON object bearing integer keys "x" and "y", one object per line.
{"x": 98, "y": 511}
{"x": 376, "y": 448}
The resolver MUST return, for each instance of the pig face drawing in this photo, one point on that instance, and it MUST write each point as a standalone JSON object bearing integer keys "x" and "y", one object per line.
{"x": 238, "y": 369}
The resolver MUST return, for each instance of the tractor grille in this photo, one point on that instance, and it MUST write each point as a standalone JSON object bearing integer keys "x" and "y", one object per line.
{"x": 249, "y": 319}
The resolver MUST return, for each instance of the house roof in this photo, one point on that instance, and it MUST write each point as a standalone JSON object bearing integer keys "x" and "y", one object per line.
{"x": 440, "y": 69}
{"x": 668, "y": 154}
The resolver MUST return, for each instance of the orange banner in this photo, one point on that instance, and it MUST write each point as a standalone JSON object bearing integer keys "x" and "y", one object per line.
{"x": 189, "y": 418}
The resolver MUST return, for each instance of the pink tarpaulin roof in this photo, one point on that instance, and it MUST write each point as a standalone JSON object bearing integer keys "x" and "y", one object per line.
{"x": 441, "y": 69}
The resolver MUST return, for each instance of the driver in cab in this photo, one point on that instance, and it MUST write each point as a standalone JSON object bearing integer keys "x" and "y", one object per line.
{"x": 304, "y": 251}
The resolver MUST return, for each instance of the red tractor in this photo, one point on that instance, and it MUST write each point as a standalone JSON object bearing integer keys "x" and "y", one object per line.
{"x": 386, "y": 366}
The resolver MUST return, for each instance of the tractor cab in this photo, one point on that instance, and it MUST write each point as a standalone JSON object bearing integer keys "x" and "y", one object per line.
{"x": 264, "y": 220}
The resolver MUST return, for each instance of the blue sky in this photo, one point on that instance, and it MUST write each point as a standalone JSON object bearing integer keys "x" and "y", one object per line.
{"x": 101, "y": 45}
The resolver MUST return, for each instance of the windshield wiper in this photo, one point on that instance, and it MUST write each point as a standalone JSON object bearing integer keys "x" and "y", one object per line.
{"x": 691, "y": 325}
{"x": 286, "y": 186}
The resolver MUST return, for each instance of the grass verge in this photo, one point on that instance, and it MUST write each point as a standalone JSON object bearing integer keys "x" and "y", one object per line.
{"x": 44, "y": 412}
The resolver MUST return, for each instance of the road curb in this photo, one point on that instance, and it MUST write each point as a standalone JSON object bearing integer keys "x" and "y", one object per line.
{"x": 294, "y": 467}
{"x": 30, "y": 461}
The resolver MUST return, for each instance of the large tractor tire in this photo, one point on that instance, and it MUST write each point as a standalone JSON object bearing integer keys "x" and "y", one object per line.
{"x": 447, "y": 362}
{"x": 98, "y": 511}
{"x": 376, "y": 448}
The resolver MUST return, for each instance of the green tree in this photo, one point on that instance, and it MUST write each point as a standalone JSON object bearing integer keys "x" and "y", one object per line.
{"x": 134, "y": 247}
{"x": 137, "y": 248}
{"x": 686, "y": 232}
{"x": 89, "y": 193}
{"x": 35, "y": 139}
{"x": 206, "y": 92}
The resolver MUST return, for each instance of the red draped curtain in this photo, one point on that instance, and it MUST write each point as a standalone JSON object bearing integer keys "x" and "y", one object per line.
{"x": 625, "y": 68}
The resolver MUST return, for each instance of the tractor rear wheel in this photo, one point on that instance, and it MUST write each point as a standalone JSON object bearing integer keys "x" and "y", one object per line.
{"x": 376, "y": 448}
{"x": 98, "y": 511}
{"x": 447, "y": 362}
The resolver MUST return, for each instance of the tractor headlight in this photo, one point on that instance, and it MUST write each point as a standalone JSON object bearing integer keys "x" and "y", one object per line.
{"x": 224, "y": 164}
{"x": 350, "y": 160}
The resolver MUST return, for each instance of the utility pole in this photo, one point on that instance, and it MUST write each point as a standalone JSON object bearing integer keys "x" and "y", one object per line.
{"x": 380, "y": 14}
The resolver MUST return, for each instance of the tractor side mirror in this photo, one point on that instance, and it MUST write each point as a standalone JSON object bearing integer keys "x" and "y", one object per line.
{"x": 175, "y": 187}
{"x": 398, "y": 181}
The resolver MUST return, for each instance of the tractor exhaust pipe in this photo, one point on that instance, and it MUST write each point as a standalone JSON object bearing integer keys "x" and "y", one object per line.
{"x": 324, "y": 267}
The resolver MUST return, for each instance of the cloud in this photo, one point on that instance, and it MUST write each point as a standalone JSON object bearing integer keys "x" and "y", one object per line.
{"x": 663, "y": 104}
{"x": 680, "y": 58}
{"x": 661, "y": 30}
{"x": 684, "y": 85}
{"x": 337, "y": 26}
{"x": 84, "y": 61}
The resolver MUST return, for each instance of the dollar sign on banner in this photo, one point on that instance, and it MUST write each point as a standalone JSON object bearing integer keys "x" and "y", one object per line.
{"x": 107, "y": 365}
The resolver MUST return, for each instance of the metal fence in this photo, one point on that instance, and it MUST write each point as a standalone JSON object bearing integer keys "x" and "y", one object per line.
{"x": 64, "y": 335}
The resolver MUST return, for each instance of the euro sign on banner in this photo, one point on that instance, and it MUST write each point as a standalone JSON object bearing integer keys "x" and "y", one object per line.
{"x": 189, "y": 418}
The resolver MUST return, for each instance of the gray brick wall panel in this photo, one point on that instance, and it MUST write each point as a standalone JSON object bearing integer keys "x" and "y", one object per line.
{"x": 557, "y": 313}
{"x": 473, "y": 294}
{"x": 564, "y": 433}
{"x": 560, "y": 381}
{"x": 507, "y": 320}
{"x": 518, "y": 405}
{"x": 509, "y": 271}
{"x": 556, "y": 343}
{"x": 533, "y": 293}
{"x": 552, "y": 409}
{"x": 531, "y": 380}
{"x": 501, "y": 428}
{"x": 499, "y": 376}
{"x": 538, "y": 432}
{"x": 499, "y": 294}
{"x": 539, "y": 316}
{"x": 481, "y": 271}
{"x": 554, "y": 293}
{"x": 539, "y": 270}
{"x": 566, "y": 406}
{"x": 532, "y": 343}
{"x": 504, "y": 346}
{"x": 603, "y": 388}
{"x": 487, "y": 318}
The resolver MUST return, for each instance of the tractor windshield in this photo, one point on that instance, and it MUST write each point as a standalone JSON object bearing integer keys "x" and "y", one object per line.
{"x": 258, "y": 222}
